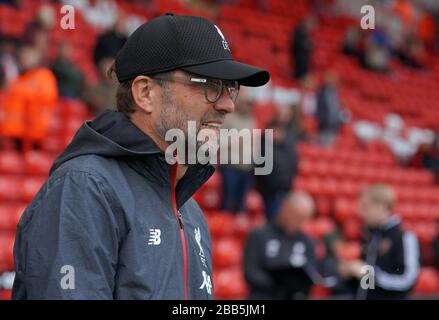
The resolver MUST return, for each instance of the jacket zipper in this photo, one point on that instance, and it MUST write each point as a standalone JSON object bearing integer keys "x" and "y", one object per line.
{"x": 180, "y": 222}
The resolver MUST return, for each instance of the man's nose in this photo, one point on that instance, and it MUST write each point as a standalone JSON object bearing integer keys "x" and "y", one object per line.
{"x": 225, "y": 104}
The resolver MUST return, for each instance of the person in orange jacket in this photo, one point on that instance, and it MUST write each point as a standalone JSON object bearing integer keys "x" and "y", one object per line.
{"x": 29, "y": 100}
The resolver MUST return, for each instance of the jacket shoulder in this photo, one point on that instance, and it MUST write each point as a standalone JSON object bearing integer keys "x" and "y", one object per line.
{"x": 90, "y": 163}
{"x": 261, "y": 232}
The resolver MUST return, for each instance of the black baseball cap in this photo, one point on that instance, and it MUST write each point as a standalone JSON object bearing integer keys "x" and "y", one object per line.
{"x": 190, "y": 43}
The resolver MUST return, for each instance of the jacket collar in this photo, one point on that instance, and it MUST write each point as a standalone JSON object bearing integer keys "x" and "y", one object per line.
{"x": 114, "y": 135}
{"x": 392, "y": 222}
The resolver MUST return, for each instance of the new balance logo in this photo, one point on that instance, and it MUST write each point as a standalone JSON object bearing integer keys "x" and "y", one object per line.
{"x": 154, "y": 237}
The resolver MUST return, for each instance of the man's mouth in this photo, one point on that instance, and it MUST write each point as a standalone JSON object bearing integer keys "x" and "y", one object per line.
{"x": 212, "y": 125}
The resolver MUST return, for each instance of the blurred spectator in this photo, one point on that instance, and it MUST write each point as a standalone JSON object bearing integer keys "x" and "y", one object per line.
{"x": 377, "y": 51}
{"x": 435, "y": 16}
{"x": 435, "y": 245}
{"x": 333, "y": 243}
{"x": 302, "y": 46}
{"x": 402, "y": 30}
{"x": 102, "y": 95}
{"x": 291, "y": 116}
{"x": 351, "y": 45}
{"x": 109, "y": 43}
{"x": 296, "y": 122}
{"x": 407, "y": 13}
{"x": 279, "y": 257}
{"x": 426, "y": 32}
{"x": 222, "y": 2}
{"x": 308, "y": 98}
{"x": 69, "y": 78}
{"x": 394, "y": 28}
{"x": 412, "y": 53}
{"x": 431, "y": 157}
{"x": 14, "y": 3}
{"x": 37, "y": 33}
{"x": 29, "y": 99}
{"x": 238, "y": 178}
{"x": 2, "y": 77}
{"x": 8, "y": 60}
{"x": 391, "y": 252}
{"x": 274, "y": 186}
{"x": 330, "y": 116}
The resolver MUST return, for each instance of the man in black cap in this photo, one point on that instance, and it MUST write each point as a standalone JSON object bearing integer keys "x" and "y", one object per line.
{"x": 115, "y": 220}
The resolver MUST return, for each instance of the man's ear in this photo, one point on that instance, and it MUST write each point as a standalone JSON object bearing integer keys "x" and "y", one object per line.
{"x": 144, "y": 92}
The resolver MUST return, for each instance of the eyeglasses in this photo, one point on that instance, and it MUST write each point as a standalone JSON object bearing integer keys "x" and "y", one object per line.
{"x": 213, "y": 88}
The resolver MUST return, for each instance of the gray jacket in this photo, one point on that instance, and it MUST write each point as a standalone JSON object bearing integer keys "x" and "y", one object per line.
{"x": 104, "y": 224}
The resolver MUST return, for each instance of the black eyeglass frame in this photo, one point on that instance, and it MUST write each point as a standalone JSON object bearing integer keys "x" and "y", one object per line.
{"x": 232, "y": 89}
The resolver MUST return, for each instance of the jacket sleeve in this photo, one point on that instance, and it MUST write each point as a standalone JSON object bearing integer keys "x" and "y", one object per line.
{"x": 254, "y": 273}
{"x": 67, "y": 241}
{"x": 410, "y": 256}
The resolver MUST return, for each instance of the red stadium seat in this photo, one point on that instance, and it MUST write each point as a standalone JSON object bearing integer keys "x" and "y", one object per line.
{"x": 52, "y": 144}
{"x": 6, "y": 253}
{"x": 348, "y": 251}
{"x": 10, "y": 188}
{"x": 306, "y": 167}
{"x": 230, "y": 284}
{"x": 428, "y": 281}
{"x": 10, "y": 214}
{"x": 30, "y": 187}
{"x": 220, "y": 223}
{"x": 254, "y": 203}
{"x": 344, "y": 208}
{"x": 11, "y": 162}
{"x": 319, "y": 227}
{"x": 38, "y": 163}
{"x": 323, "y": 205}
{"x": 242, "y": 225}
{"x": 319, "y": 292}
{"x": 5, "y": 294}
{"x": 214, "y": 182}
{"x": 227, "y": 252}
{"x": 73, "y": 108}
{"x": 209, "y": 195}
{"x": 208, "y": 198}
{"x": 352, "y": 229}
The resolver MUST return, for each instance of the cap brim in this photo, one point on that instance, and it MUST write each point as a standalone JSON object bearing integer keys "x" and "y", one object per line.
{"x": 245, "y": 74}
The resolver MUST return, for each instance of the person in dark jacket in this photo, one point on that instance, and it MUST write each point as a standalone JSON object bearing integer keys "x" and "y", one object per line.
{"x": 330, "y": 115}
{"x": 430, "y": 157}
{"x": 302, "y": 46}
{"x": 275, "y": 186}
{"x": 109, "y": 43}
{"x": 101, "y": 95}
{"x": 435, "y": 247}
{"x": 238, "y": 178}
{"x": 69, "y": 77}
{"x": 391, "y": 260}
{"x": 279, "y": 260}
{"x": 116, "y": 218}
